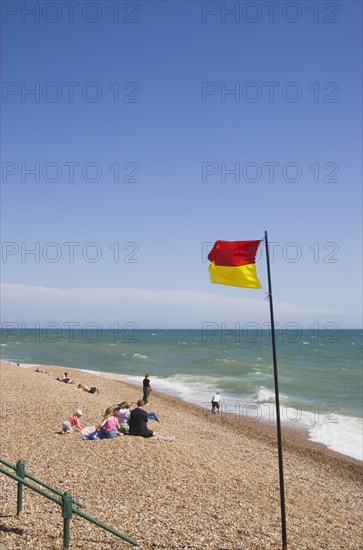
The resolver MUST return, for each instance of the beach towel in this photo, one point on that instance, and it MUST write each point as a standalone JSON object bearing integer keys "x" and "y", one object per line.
{"x": 97, "y": 434}
{"x": 88, "y": 430}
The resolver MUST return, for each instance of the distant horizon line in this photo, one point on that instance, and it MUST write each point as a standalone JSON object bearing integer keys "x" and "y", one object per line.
{"x": 167, "y": 328}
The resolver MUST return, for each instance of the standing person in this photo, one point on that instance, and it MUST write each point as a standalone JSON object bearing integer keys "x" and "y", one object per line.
{"x": 146, "y": 389}
{"x": 72, "y": 422}
{"x": 138, "y": 423}
{"x": 216, "y": 403}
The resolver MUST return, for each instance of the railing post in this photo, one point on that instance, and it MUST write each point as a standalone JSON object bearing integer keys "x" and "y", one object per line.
{"x": 67, "y": 515}
{"x": 20, "y": 472}
{"x": 66, "y": 502}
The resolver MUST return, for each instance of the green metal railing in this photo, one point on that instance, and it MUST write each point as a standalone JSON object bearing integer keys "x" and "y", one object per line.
{"x": 66, "y": 501}
{"x": 19, "y": 468}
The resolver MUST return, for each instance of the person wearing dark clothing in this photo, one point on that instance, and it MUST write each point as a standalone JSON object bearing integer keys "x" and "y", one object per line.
{"x": 138, "y": 423}
{"x": 146, "y": 389}
{"x": 83, "y": 387}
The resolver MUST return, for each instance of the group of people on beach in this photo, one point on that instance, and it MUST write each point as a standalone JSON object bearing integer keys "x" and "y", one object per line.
{"x": 120, "y": 419}
{"x": 117, "y": 420}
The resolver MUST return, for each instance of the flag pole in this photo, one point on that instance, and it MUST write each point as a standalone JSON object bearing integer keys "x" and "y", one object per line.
{"x": 277, "y": 401}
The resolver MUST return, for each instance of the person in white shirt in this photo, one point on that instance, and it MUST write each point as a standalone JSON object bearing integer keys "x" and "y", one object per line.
{"x": 216, "y": 403}
{"x": 124, "y": 416}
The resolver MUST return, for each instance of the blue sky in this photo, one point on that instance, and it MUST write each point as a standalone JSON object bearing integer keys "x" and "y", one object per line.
{"x": 115, "y": 168}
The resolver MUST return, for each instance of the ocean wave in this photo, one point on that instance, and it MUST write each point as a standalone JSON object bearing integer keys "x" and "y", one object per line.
{"x": 264, "y": 396}
{"x": 342, "y": 434}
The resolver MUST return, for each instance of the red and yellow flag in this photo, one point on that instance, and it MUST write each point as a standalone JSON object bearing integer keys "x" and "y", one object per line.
{"x": 233, "y": 263}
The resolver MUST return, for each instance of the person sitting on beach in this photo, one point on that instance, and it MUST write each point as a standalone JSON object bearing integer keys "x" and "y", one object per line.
{"x": 99, "y": 432}
{"x": 124, "y": 416}
{"x": 109, "y": 426}
{"x": 138, "y": 423}
{"x": 72, "y": 422}
{"x": 64, "y": 378}
{"x": 216, "y": 403}
{"x": 83, "y": 387}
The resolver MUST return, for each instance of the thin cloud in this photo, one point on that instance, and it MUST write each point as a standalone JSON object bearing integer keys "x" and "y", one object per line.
{"x": 149, "y": 308}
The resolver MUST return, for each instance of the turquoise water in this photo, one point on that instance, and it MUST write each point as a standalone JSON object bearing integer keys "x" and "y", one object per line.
{"x": 320, "y": 372}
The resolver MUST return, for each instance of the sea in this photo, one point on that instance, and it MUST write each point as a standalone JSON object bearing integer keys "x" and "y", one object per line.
{"x": 319, "y": 371}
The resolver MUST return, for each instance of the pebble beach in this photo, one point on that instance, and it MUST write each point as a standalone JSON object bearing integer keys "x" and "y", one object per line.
{"x": 216, "y": 486}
